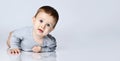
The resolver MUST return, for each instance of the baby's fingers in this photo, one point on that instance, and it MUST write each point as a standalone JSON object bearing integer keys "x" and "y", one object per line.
{"x": 17, "y": 51}
{"x": 11, "y": 51}
{"x": 14, "y": 51}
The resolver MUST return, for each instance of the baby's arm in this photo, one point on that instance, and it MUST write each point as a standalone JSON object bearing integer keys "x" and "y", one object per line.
{"x": 50, "y": 47}
{"x": 38, "y": 49}
{"x": 12, "y": 50}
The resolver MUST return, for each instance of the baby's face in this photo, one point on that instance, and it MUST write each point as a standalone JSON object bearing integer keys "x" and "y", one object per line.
{"x": 43, "y": 24}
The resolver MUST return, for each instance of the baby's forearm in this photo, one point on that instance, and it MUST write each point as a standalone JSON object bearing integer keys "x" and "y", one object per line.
{"x": 8, "y": 40}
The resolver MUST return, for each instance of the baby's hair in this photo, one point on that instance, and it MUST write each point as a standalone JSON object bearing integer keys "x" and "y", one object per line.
{"x": 49, "y": 10}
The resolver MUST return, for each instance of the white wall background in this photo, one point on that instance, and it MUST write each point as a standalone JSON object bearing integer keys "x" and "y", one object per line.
{"x": 82, "y": 23}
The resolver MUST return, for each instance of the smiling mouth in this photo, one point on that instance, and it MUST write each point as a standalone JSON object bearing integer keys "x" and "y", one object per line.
{"x": 40, "y": 30}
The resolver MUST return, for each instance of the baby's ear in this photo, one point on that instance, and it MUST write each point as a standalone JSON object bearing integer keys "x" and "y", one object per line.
{"x": 33, "y": 20}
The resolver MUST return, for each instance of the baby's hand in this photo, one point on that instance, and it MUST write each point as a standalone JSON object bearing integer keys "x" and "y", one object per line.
{"x": 36, "y": 49}
{"x": 14, "y": 51}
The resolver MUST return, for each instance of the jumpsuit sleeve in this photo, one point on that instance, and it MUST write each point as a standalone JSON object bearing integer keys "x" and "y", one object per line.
{"x": 51, "y": 46}
{"x": 15, "y": 40}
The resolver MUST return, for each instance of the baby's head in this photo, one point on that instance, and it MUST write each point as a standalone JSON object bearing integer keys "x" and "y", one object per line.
{"x": 45, "y": 20}
{"x": 49, "y": 10}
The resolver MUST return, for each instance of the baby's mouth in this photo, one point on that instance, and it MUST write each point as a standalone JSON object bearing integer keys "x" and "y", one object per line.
{"x": 40, "y": 30}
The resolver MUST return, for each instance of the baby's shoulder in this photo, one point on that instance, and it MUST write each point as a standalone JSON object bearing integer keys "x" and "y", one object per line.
{"x": 51, "y": 38}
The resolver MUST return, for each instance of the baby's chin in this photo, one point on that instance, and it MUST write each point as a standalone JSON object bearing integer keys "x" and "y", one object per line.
{"x": 41, "y": 34}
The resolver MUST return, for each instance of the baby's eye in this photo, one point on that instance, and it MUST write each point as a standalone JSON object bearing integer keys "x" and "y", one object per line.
{"x": 41, "y": 21}
{"x": 48, "y": 25}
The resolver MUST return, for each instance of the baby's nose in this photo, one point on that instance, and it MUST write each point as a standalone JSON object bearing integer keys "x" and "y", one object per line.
{"x": 42, "y": 26}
